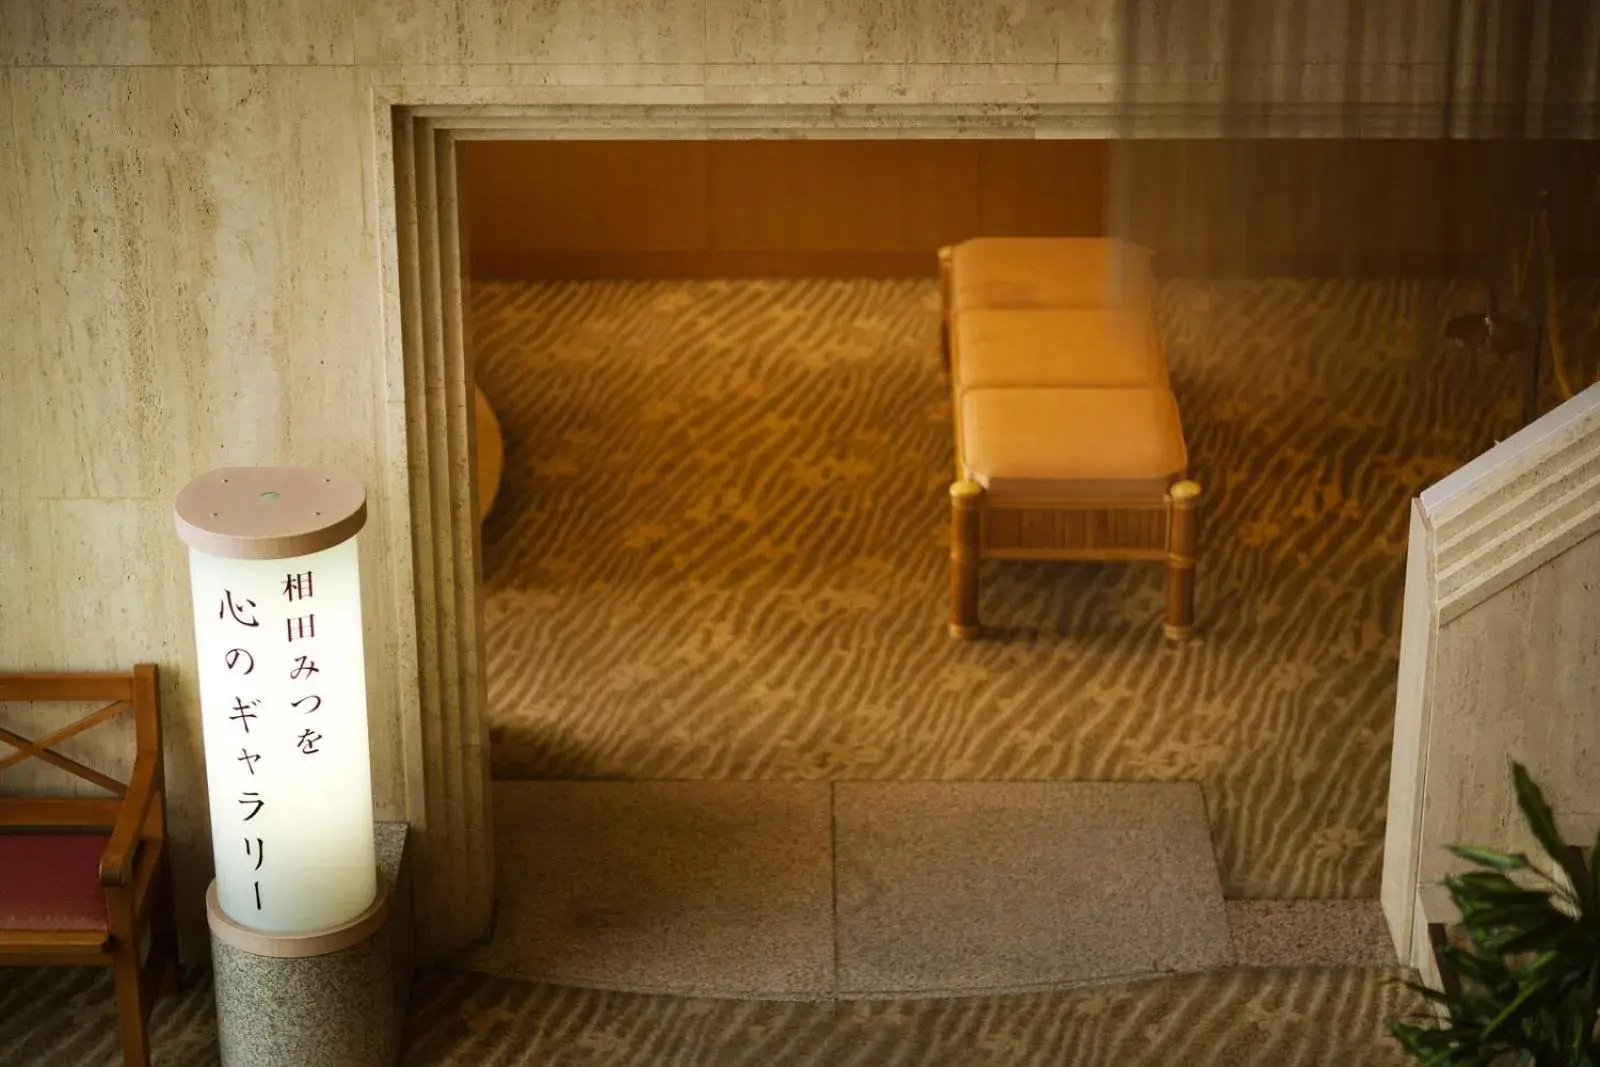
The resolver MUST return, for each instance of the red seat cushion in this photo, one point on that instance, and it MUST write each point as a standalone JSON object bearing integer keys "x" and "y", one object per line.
{"x": 51, "y": 882}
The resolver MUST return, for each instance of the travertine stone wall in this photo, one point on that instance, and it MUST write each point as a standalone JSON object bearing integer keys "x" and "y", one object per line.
{"x": 1499, "y": 660}
{"x": 189, "y": 268}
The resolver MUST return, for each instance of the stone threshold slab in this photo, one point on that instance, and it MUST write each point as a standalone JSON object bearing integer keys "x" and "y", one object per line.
{"x": 819, "y": 891}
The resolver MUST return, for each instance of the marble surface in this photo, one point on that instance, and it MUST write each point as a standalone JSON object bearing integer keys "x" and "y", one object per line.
{"x": 1300, "y": 51}
{"x": 695, "y": 888}
{"x": 490, "y": 31}
{"x": 201, "y": 294}
{"x": 342, "y": 1009}
{"x": 1517, "y": 677}
{"x": 1500, "y": 658}
{"x": 173, "y": 32}
{"x": 197, "y": 293}
{"x": 822, "y": 891}
{"x": 986, "y": 886}
{"x": 1309, "y": 933}
{"x": 190, "y": 209}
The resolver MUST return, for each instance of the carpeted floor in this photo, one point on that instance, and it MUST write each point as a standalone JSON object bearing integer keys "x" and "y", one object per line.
{"x": 1290, "y": 1018}
{"x": 719, "y": 553}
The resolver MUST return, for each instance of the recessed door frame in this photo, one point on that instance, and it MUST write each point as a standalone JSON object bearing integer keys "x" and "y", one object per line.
{"x": 430, "y": 385}
{"x": 436, "y": 569}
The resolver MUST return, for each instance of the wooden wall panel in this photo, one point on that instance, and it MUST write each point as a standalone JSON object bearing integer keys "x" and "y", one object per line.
{"x": 1053, "y": 187}
{"x": 1354, "y": 207}
{"x": 614, "y": 198}
{"x": 827, "y": 196}
{"x": 1176, "y": 197}
{"x": 766, "y": 207}
{"x": 877, "y": 208}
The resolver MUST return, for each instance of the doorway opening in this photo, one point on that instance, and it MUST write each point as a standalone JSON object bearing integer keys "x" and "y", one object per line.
{"x": 717, "y": 549}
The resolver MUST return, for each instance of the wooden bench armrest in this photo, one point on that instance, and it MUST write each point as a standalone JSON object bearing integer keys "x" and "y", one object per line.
{"x": 116, "y": 863}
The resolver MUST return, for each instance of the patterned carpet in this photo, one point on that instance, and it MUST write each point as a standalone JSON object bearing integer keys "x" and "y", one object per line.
{"x": 719, "y": 552}
{"x": 1296, "y": 1018}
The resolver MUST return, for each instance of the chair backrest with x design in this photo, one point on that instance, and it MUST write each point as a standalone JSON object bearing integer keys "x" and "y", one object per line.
{"x": 133, "y": 692}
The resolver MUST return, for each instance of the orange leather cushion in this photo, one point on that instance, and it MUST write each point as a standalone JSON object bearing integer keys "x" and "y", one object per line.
{"x": 51, "y": 881}
{"x": 1054, "y": 346}
{"x": 1072, "y": 444}
{"x": 1042, "y": 272}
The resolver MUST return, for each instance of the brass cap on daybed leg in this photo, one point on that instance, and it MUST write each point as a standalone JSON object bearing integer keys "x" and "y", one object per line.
{"x": 966, "y": 525}
{"x": 1182, "y": 540}
{"x": 1184, "y": 493}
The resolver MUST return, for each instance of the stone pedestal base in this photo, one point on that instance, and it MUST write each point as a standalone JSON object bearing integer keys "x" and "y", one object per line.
{"x": 327, "y": 1000}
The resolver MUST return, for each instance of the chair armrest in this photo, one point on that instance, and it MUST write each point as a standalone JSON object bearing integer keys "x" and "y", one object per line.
{"x": 116, "y": 863}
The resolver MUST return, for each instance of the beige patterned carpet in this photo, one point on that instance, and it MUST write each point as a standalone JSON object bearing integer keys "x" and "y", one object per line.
{"x": 719, "y": 552}
{"x": 1292, "y": 1018}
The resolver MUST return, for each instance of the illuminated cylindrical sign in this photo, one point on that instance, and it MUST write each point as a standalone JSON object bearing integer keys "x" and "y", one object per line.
{"x": 273, "y": 569}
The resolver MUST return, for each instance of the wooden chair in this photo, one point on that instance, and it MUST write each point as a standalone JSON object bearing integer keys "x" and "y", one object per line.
{"x": 84, "y": 880}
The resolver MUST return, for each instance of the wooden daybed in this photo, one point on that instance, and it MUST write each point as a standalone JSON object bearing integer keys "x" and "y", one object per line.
{"x": 1068, "y": 442}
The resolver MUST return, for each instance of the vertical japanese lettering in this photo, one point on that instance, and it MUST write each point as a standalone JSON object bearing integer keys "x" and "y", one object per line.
{"x": 297, "y": 586}
{"x": 238, "y": 611}
{"x": 242, "y": 713}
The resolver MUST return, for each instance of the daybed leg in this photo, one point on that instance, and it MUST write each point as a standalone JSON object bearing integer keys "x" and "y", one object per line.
{"x": 966, "y": 509}
{"x": 1182, "y": 518}
{"x": 944, "y": 308}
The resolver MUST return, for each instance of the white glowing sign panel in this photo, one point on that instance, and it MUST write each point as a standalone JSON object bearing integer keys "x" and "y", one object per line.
{"x": 284, "y": 715}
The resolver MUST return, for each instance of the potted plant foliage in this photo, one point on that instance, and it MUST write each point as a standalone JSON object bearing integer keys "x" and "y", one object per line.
{"x": 1526, "y": 991}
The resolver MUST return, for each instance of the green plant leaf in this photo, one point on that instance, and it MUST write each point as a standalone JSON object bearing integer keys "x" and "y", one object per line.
{"x": 1485, "y": 972}
{"x": 1529, "y": 990}
{"x": 1488, "y": 857}
{"x": 1432, "y": 994}
{"x": 1492, "y": 898}
{"x": 1541, "y": 820}
{"x": 1486, "y": 882}
{"x": 1425, "y": 1044}
{"x": 1547, "y": 962}
{"x": 1535, "y": 937}
{"x": 1509, "y": 1012}
{"x": 1523, "y": 924}
{"x": 1499, "y": 908}
{"x": 1594, "y": 878}
{"x": 1511, "y": 942}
